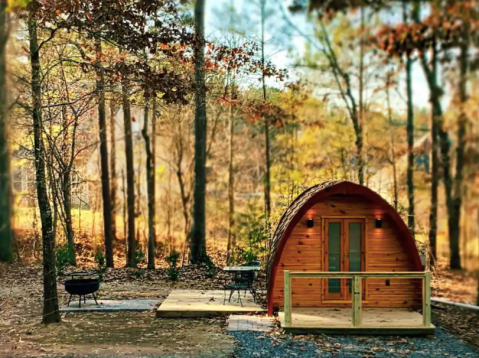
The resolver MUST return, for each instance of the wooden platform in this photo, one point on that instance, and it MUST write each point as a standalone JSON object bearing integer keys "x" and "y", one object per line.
{"x": 197, "y": 303}
{"x": 384, "y": 321}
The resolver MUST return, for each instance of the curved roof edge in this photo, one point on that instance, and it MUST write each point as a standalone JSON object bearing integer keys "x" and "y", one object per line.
{"x": 308, "y": 198}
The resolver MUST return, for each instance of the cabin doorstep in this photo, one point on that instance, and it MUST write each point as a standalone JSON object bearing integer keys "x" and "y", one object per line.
{"x": 344, "y": 248}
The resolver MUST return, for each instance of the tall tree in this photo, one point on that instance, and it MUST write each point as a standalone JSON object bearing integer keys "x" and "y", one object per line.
{"x": 430, "y": 69}
{"x": 130, "y": 170}
{"x": 51, "y": 313}
{"x": 452, "y": 185}
{"x": 454, "y": 199}
{"x": 361, "y": 111}
{"x": 436, "y": 119}
{"x": 267, "y": 174}
{"x": 231, "y": 183}
{"x": 448, "y": 25}
{"x": 410, "y": 138}
{"x": 323, "y": 10}
{"x": 150, "y": 180}
{"x": 105, "y": 176}
{"x": 113, "y": 176}
{"x": 5, "y": 197}
{"x": 231, "y": 172}
{"x": 198, "y": 235}
{"x": 392, "y": 148}
{"x": 66, "y": 160}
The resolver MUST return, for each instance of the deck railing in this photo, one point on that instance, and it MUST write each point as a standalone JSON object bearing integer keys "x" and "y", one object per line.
{"x": 357, "y": 290}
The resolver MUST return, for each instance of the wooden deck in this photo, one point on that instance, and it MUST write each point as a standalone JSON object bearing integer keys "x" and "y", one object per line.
{"x": 385, "y": 321}
{"x": 198, "y": 303}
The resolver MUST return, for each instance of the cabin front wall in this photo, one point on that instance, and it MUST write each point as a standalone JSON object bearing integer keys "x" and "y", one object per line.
{"x": 384, "y": 251}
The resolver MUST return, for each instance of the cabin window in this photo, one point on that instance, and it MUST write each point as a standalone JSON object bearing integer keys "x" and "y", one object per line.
{"x": 334, "y": 261}
{"x": 355, "y": 246}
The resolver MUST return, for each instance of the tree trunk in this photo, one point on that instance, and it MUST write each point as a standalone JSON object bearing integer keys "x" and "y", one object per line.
{"x": 198, "y": 236}
{"x": 435, "y": 123}
{"x": 125, "y": 216}
{"x": 51, "y": 313}
{"x": 360, "y": 119}
{"x": 455, "y": 205}
{"x": 267, "y": 176}
{"x": 67, "y": 160}
{"x": 411, "y": 220}
{"x": 153, "y": 162}
{"x": 395, "y": 180}
{"x": 392, "y": 144}
{"x": 183, "y": 194}
{"x": 231, "y": 189}
{"x": 150, "y": 180}
{"x": 5, "y": 197}
{"x": 130, "y": 172}
{"x": 113, "y": 178}
{"x": 138, "y": 209}
{"x": 105, "y": 177}
{"x": 67, "y": 207}
{"x": 410, "y": 142}
{"x": 184, "y": 202}
{"x": 55, "y": 196}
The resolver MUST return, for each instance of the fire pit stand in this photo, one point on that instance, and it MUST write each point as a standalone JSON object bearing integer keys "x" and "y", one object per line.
{"x": 82, "y": 284}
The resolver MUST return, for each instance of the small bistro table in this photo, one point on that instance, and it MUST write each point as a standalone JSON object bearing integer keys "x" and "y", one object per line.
{"x": 243, "y": 278}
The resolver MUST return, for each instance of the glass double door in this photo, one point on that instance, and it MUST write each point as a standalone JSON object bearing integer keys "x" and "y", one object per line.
{"x": 344, "y": 251}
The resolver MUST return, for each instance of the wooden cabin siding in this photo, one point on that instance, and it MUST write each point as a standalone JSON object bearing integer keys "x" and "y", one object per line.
{"x": 385, "y": 252}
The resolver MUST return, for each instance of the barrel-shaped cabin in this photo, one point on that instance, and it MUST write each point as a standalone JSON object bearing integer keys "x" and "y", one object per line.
{"x": 342, "y": 228}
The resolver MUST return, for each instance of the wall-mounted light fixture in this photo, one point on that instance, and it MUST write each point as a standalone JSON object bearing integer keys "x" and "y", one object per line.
{"x": 310, "y": 223}
{"x": 379, "y": 223}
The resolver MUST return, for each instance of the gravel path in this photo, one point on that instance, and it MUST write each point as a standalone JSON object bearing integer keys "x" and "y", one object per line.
{"x": 255, "y": 345}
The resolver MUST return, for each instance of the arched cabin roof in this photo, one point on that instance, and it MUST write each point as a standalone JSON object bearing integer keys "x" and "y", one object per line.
{"x": 315, "y": 194}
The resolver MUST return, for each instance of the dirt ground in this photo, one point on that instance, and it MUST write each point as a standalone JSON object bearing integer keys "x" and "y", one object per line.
{"x": 118, "y": 334}
{"x": 455, "y": 286}
{"x": 105, "y": 334}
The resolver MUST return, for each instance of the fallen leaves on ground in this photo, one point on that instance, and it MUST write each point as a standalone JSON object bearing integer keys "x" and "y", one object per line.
{"x": 454, "y": 285}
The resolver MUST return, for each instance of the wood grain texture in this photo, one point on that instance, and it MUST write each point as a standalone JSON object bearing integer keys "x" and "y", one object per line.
{"x": 384, "y": 251}
{"x": 391, "y": 321}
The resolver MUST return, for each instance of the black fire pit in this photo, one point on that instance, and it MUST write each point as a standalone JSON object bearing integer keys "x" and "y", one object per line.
{"x": 82, "y": 284}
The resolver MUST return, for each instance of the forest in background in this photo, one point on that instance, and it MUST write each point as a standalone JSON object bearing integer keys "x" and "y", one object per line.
{"x": 133, "y": 135}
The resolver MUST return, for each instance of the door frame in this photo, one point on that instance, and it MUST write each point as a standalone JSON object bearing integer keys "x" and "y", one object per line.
{"x": 344, "y": 296}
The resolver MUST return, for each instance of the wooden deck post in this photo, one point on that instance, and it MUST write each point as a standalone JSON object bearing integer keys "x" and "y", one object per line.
{"x": 287, "y": 298}
{"x": 426, "y": 299}
{"x": 357, "y": 305}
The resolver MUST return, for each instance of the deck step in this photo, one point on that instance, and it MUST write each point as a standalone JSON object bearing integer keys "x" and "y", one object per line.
{"x": 205, "y": 303}
{"x": 376, "y": 321}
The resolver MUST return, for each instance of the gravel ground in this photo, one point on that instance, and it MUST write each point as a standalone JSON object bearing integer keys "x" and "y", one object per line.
{"x": 259, "y": 345}
{"x": 254, "y": 345}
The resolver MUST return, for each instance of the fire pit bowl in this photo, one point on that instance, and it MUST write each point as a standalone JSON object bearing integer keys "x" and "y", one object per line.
{"x": 82, "y": 287}
{"x": 78, "y": 285}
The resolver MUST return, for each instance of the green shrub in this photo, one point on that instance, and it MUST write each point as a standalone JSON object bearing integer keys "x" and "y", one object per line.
{"x": 100, "y": 260}
{"x": 253, "y": 239}
{"x": 172, "y": 260}
{"x": 139, "y": 258}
